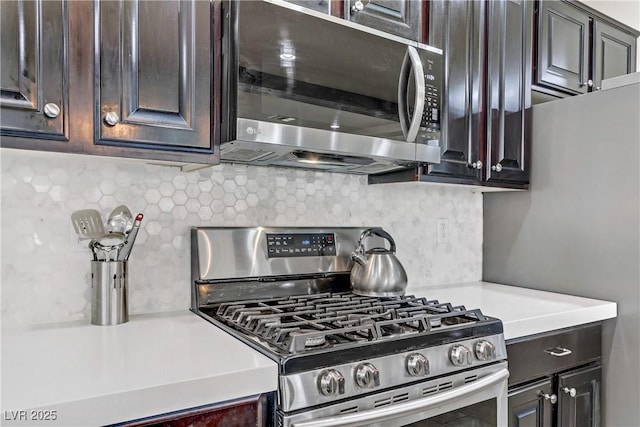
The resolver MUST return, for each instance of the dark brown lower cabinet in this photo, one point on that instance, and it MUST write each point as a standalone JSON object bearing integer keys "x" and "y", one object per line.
{"x": 571, "y": 398}
{"x": 251, "y": 411}
{"x": 579, "y": 397}
{"x": 528, "y": 406}
{"x": 555, "y": 378}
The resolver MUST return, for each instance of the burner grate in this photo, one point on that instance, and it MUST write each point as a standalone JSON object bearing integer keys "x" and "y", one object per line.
{"x": 303, "y": 323}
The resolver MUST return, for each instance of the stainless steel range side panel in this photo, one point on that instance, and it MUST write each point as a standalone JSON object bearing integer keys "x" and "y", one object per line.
{"x": 233, "y": 253}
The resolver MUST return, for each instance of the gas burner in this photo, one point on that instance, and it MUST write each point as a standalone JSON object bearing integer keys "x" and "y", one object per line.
{"x": 310, "y": 341}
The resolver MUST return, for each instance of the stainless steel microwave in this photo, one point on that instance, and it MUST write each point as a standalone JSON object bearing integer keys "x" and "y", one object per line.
{"x": 306, "y": 89}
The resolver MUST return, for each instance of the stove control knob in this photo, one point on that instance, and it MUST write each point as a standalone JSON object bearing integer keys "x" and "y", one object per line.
{"x": 331, "y": 383}
{"x": 367, "y": 376}
{"x": 485, "y": 350}
{"x": 460, "y": 355}
{"x": 417, "y": 365}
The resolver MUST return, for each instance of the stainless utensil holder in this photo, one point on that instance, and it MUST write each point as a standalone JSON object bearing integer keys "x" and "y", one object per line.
{"x": 109, "y": 292}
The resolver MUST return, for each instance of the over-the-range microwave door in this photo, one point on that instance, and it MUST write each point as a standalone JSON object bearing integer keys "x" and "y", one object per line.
{"x": 308, "y": 81}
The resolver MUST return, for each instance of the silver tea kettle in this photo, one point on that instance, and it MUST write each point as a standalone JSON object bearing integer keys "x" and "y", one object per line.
{"x": 377, "y": 272}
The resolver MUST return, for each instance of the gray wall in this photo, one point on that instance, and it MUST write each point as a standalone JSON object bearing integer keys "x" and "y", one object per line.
{"x": 577, "y": 230}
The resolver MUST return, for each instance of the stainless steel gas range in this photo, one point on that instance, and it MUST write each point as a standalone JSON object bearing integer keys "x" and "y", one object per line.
{"x": 345, "y": 359}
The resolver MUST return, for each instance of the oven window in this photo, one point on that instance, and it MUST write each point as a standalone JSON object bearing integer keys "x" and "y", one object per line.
{"x": 482, "y": 414}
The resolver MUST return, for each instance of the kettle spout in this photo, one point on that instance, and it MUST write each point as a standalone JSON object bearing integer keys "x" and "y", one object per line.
{"x": 358, "y": 257}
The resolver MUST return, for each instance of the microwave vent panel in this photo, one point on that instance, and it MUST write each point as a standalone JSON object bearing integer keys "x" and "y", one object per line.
{"x": 378, "y": 168}
{"x": 238, "y": 154}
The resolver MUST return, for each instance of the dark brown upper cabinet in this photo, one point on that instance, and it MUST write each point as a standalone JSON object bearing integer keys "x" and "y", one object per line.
{"x": 403, "y": 18}
{"x": 508, "y": 99}
{"x": 400, "y": 17}
{"x": 485, "y": 113}
{"x": 614, "y": 52}
{"x": 154, "y": 82}
{"x": 563, "y": 47}
{"x": 577, "y": 47}
{"x": 34, "y": 72}
{"x": 457, "y": 27}
{"x": 119, "y": 78}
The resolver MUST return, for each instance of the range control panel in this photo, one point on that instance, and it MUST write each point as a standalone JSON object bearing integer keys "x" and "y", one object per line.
{"x": 287, "y": 245}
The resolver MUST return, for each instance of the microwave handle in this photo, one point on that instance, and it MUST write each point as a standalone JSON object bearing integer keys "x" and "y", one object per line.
{"x": 424, "y": 404}
{"x": 411, "y": 62}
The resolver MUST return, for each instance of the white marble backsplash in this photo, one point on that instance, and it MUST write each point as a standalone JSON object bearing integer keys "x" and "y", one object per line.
{"x": 46, "y": 271}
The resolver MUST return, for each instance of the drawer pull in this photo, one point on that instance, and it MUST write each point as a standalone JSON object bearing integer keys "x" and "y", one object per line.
{"x": 558, "y": 351}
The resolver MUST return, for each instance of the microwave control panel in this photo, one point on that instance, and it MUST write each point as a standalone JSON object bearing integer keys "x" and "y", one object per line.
{"x": 287, "y": 245}
{"x": 430, "y": 125}
{"x": 432, "y": 94}
{"x": 431, "y": 113}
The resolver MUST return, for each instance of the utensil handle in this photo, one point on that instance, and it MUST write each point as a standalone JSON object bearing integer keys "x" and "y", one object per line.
{"x": 126, "y": 249}
{"x": 380, "y": 233}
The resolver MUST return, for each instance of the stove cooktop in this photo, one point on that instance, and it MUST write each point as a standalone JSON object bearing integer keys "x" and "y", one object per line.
{"x": 285, "y": 291}
{"x": 311, "y": 330}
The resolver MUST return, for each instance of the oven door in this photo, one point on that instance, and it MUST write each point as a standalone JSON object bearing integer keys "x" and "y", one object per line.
{"x": 472, "y": 398}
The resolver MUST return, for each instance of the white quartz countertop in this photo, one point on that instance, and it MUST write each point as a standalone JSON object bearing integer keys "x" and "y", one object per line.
{"x": 153, "y": 364}
{"x": 522, "y": 311}
{"x": 164, "y": 362}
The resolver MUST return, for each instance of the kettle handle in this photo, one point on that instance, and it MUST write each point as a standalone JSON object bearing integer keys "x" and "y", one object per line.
{"x": 376, "y": 232}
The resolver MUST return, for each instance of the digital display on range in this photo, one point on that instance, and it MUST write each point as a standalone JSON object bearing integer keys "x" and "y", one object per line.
{"x": 291, "y": 245}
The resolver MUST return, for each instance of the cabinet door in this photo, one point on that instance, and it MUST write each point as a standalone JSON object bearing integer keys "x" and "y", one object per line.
{"x": 563, "y": 47}
{"x": 244, "y": 412}
{"x": 531, "y": 405}
{"x": 457, "y": 27}
{"x": 399, "y": 17}
{"x": 579, "y": 398}
{"x": 614, "y": 52}
{"x": 509, "y": 90}
{"x": 154, "y": 81}
{"x": 34, "y": 93}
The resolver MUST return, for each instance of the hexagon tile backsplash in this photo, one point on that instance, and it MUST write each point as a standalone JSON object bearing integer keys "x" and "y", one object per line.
{"x": 46, "y": 271}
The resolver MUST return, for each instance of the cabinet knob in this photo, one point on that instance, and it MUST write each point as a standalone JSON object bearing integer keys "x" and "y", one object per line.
{"x": 357, "y": 7}
{"x": 476, "y": 165}
{"x": 51, "y": 110}
{"x": 111, "y": 118}
{"x": 588, "y": 83}
{"x": 570, "y": 391}
{"x": 497, "y": 168}
{"x": 551, "y": 398}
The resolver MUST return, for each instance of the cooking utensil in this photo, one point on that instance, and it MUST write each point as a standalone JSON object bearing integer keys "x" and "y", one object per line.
{"x": 125, "y": 251}
{"x": 120, "y": 220}
{"x": 104, "y": 247}
{"x": 377, "y": 272}
{"x": 88, "y": 224}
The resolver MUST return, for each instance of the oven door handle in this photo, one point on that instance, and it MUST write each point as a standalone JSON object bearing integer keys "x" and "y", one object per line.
{"x": 408, "y": 408}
